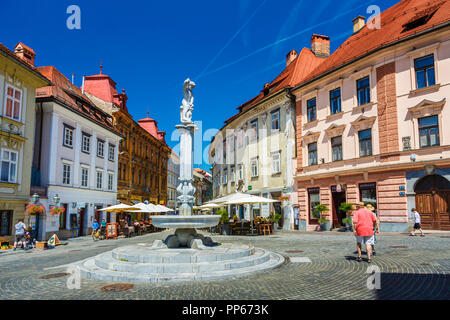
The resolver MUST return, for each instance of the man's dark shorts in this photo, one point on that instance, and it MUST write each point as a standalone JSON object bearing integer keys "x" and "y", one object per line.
{"x": 19, "y": 237}
{"x": 416, "y": 225}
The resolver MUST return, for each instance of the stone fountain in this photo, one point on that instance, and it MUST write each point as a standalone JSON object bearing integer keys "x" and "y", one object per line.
{"x": 185, "y": 223}
{"x": 185, "y": 255}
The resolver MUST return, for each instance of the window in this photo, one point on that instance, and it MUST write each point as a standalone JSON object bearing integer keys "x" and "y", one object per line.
{"x": 429, "y": 132}
{"x": 111, "y": 148}
{"x": 66, "y": 173}
{"x": 254, "y": 164}
{"x": 314, "y": 200}
{"x": 312, "y": 153}
{"x": 335, "y": 100}
{"x": 424, "y": 68}
{"x": 225, "y": 176}
{"x": 13, "y": 102}
{"x": 311, "y": 109}
{"x": 240, "y": 138}
{"x": 110, "y": 181}
{"x": 5, "y": 222}
{"x": 254, "y": 130}
{"x": 336, "y": 148}
{"x": 365, "y": 142}
{"x": 99, "y": 179}
{"x": 68, "y": 136}
{"x": 84, "y": 177}
{"x": 241, "y": 172}
{"x": 86, "y": 143}
{"x": 363, "y": 91}
{"x": 275, "y": 115}
{"x": 224, "y": 149}
{"x": 276, "y": 163}
{"x": 100, "y": 148}
{"x": 233, "y": 174}
{"x": 9, "y": 166}
{"x": 368, "y": 194}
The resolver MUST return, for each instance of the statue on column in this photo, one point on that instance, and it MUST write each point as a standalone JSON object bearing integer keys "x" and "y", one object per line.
{"x": 188, "y": 102}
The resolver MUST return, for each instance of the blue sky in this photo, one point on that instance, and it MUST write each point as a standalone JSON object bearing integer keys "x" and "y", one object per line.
{"x": 229, "y": 48}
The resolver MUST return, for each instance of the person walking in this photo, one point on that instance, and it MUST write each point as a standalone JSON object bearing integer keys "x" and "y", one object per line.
{"x": 363, "y": 225}
{"x": 376, "y": 228}
{"x": 20, "y": 233}
{"x": 417, "y": 223}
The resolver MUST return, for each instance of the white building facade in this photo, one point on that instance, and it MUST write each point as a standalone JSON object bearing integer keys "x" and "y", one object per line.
{"x": 76, "y": 158}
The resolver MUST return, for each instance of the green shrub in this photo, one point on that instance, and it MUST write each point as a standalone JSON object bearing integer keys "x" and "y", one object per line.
{"x": 319, "y": 209}
{"x": 274, "y": 217}
{"x": 224, "y": 216}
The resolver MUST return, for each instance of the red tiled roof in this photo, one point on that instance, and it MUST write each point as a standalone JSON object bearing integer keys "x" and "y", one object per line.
{"x": 151, "y": 126}
{"x": 12, "y": 55}
{"x": 68, "y": 94}
{"x": 296, "y": 71}
{"x": 103, "y": 87}
{"x": 393, "y": 23}
{"x": 26, "y": 47}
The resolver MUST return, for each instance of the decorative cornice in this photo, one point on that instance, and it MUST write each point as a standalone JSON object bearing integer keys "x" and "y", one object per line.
{"x": 334, "y": 130}
{"x": 427, "y": 107}
{"x": 363, "y": 121}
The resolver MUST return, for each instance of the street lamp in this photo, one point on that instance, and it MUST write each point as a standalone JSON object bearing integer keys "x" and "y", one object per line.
{"x": 56, "y": 200}
{"x": 35, "y": 200}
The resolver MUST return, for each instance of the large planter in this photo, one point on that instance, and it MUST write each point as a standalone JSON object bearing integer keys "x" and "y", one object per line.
{"x": 226, "y": 229}
{"x": 275, "y": 226}
{"x": 325, "y": 226}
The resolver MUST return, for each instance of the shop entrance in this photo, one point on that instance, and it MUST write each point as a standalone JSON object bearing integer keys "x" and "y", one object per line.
{"x": 339, "y": 197}
{"x": 81, "y": 230}
{"x": 432, "y": 202}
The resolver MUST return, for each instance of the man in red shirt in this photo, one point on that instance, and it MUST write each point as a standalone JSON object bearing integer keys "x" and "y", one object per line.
{"x": 363, "y": 224}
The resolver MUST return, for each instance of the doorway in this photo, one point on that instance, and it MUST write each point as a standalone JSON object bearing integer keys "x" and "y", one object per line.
{"x": 338, "y": 198}
{"x": 432, "y": 202}
{"x": 81, "y": 227}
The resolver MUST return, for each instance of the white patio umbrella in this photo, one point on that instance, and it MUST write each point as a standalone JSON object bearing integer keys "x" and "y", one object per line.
{"x": 163, "y": 208}
{"x": 244, "y": 198}
{"x": 119, "y": 208}
{"x": 209, "y": 206}
{"x": 146, "y": 208}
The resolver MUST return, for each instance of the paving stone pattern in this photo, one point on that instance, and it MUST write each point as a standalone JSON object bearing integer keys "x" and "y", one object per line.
{"x": 420, "y": 271}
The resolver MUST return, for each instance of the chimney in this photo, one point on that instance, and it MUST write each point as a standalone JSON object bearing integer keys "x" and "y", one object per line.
{"x": 25, "y": 53}
{"x": 82, "y": 85}
{"x": 320, "y": 45}
{"x": 290, "y": 57}
{"x": 358, "y": 23}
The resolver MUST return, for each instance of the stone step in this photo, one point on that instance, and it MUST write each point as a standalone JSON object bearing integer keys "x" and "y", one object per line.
{"x": 106, "y": 261}
{"x": 89, "y": 270}
{"x": 168, "y": 256}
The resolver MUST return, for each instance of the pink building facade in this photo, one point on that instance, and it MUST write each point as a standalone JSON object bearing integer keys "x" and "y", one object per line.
{"x": 371, "y": 122}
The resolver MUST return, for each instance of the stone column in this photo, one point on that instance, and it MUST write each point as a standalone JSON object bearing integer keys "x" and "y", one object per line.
{"x": 185, "y": 189}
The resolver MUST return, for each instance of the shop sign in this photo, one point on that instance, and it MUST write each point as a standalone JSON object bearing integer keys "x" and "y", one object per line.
{"x": 81, "y": 205}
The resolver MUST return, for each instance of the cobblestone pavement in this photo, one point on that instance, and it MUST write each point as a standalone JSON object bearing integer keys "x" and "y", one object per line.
{"x": 420, "y": 271}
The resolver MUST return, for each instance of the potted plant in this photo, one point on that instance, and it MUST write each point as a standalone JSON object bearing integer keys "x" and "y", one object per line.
{"x": 348, "y": 223}
{"x": 274, "y": 218}
{"x": 57, "y": 210}
{"x": 318, "y": 211}
{"x": 347, "y": 207}
{"x": 34, "y": 209}
{"x": 224, "y": 221}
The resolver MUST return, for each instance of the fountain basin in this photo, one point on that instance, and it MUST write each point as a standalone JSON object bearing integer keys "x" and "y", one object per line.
{"x": 185, "y": 222}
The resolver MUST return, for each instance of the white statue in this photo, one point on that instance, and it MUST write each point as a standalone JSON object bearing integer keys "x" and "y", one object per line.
{"x": 188, "y": 101}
